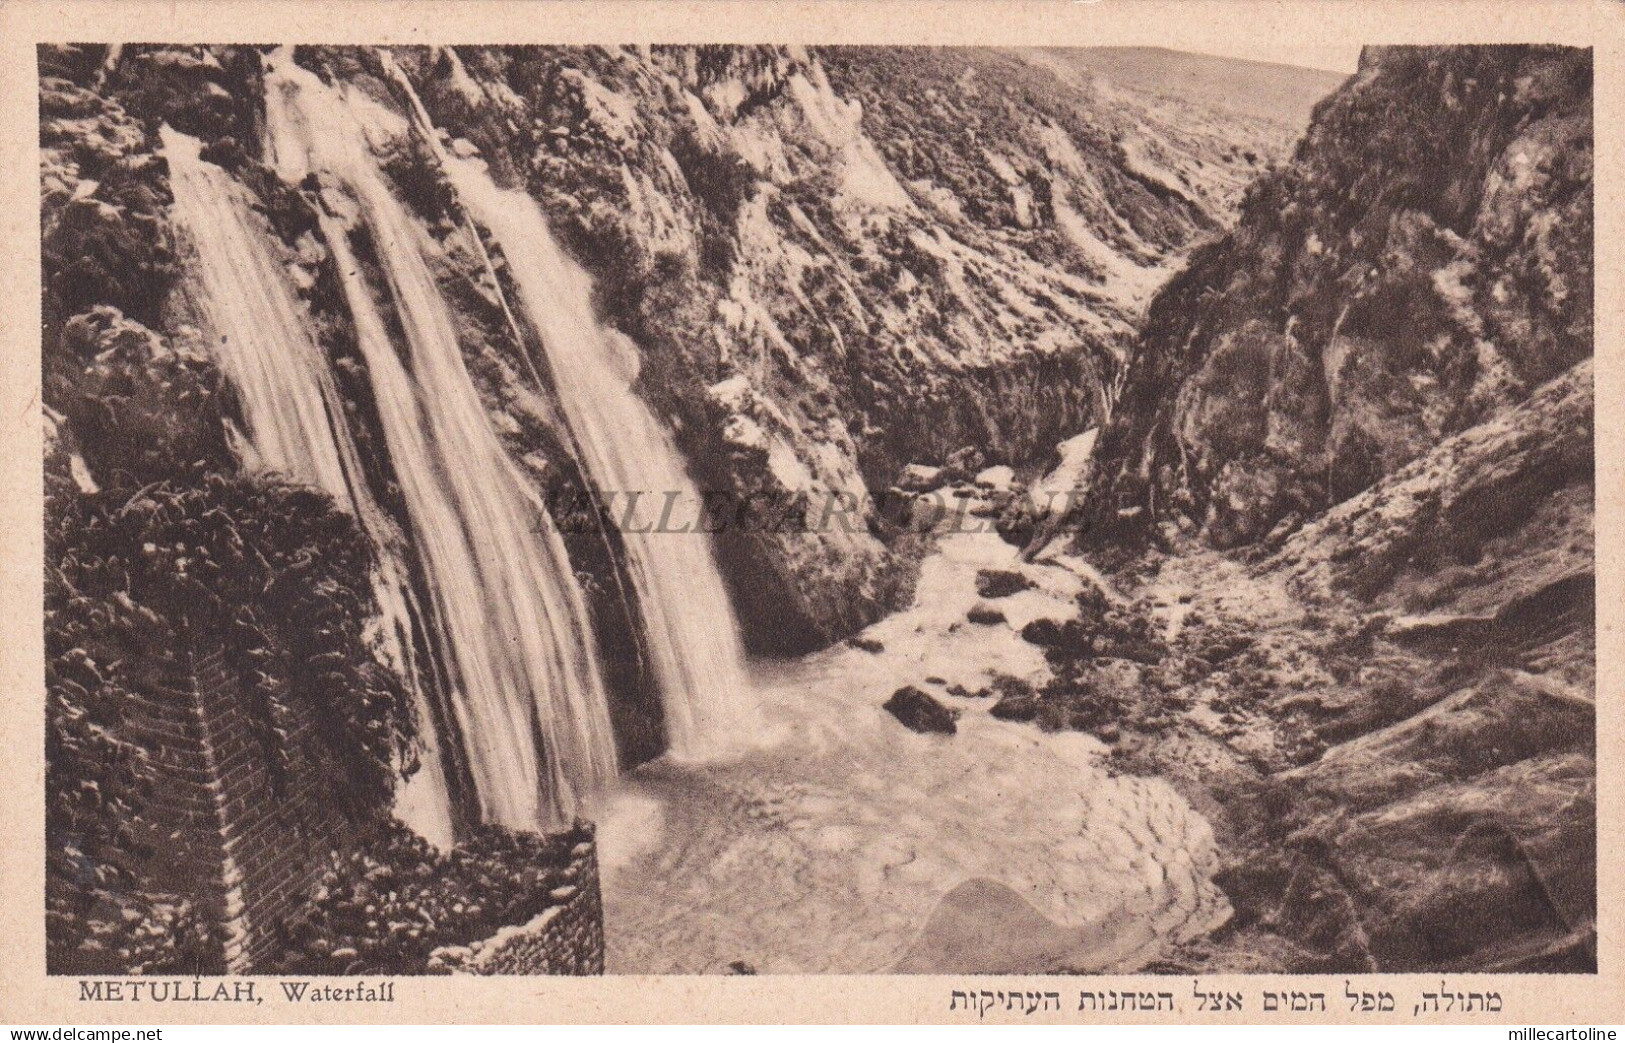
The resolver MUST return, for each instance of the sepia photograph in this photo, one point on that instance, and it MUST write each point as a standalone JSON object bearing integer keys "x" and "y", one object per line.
{"x": 729, "y": 509}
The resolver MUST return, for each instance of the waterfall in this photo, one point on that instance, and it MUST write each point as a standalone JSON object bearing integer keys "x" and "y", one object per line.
{"x": 472, "y": 577}
{"x": 526, "y": 697}
{"x": 260, "y": 335}
{"x": 688, "y": 618}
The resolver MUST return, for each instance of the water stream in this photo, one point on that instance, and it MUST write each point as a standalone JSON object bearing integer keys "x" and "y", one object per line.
{"x": 260, "y": 333}
{"x": 847, "y": 843}
{"x": 526, "y": 694}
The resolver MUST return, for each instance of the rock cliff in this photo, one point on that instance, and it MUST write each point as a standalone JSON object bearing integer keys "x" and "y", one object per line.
{"x": 835, "y": 263}
{"x": 1423, "y": 262}
{"x": 1355, "y": 455}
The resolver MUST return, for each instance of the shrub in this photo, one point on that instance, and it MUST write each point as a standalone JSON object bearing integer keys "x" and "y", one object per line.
{"x": 273, "y": 575}
{"x": 384, "y": 909}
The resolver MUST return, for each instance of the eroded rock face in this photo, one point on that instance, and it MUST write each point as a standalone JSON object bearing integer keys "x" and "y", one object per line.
{"x": 1387, "y": 710}
{"x": 196, "y": 90}
{"x": 137, "y": 402}
{"x": 838, "y": 263}
{"x": 1442, "y": 528}
{"x": 1423, "y": 262}
{"x": 1494, "y": 872}
{"x": 1407, "y": 739}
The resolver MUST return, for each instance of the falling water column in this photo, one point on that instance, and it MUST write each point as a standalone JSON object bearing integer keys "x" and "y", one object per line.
{"x": 526, "y": 695}
{"x": 688, "y": 618}
{"x": 294, "y": 416}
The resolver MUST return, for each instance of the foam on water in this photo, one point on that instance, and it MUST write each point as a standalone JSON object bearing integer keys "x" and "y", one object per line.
{"x": 830, "y": 846}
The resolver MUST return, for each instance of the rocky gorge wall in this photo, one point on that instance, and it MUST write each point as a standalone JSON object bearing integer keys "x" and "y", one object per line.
{"x": 1348, "y": 500}
{"x": 1423, "y": 262}
{"x": 833, "y": 263}
{"x": 224, "y": 735}
{"x": 191, "y": 783}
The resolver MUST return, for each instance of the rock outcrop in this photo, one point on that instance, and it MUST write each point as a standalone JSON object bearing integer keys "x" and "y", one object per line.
{"x": 1390, "y": 719}
{"x": 921, "y": 712}
{"x": 1423, "y": 262}
{"x": 1347, "y": 499}
{"x": 1463, "y": 833}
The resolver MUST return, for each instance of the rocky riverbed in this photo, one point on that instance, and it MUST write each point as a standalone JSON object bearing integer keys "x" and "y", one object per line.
{"x": 845, "y": 841}
{"x": 1319, "y": 756}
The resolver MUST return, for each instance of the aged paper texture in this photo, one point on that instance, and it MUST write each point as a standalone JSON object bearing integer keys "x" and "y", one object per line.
{"x": 810, "y": 512}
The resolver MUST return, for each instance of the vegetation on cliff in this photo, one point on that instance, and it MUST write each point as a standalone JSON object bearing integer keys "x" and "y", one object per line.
{"x": 160, "y": 550}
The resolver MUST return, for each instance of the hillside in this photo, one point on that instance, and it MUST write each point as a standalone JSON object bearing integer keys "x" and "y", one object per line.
{"x": 1423, "y": 262}
{"x": 1283, "y": 94}
{"x": 1346, "y": 499}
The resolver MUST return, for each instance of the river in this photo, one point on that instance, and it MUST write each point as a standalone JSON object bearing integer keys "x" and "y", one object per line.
{"x": 846, "y": 843}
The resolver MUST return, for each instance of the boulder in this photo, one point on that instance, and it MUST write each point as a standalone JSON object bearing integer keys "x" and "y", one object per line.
{"x": 1001, "y": 583}
{"x": 919, "y": 711}
{"x": 1016, "y": 706}
{"x": 919, "y": 478}
{"x": 1045, "y": 633}
{"x": 985, "y": 615}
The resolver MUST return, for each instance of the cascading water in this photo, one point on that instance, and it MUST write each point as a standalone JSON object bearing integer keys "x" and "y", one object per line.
{"x": 525, "y": 693}
{"x": 688, "y": 618}
{"x": 295, "y": 423}
{"x": 258, "y": 330}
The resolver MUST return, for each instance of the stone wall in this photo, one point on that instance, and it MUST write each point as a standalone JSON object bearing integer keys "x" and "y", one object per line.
{"x": 567, "y": 938}
{"x": 180, "y": 822}
{"x": 246, "y": 846}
